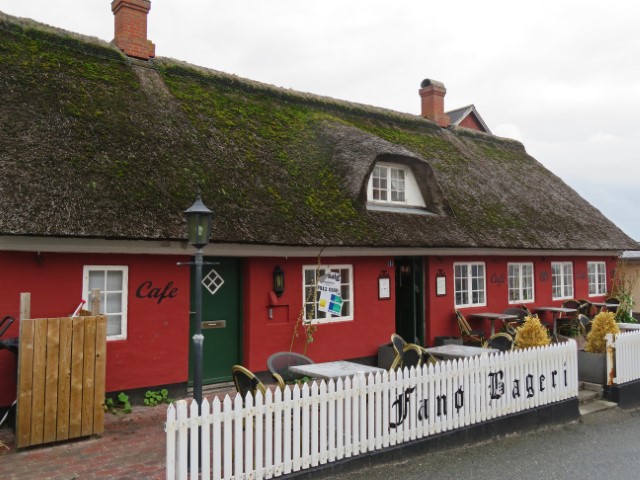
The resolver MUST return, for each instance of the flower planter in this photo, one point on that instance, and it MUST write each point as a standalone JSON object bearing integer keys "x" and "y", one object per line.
{"x": 592, "y": 367}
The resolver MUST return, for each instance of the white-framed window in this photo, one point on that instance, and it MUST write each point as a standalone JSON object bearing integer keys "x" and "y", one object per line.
{"x": 333, "y": 289}
{"x": 112, "y": 281}
{"x": 393, "y": 184}
{"x": 470, "y": 284}
{"x": 520, "y": 282}
{"x": 597, "y": 273}
{"x": 561, "y": 280}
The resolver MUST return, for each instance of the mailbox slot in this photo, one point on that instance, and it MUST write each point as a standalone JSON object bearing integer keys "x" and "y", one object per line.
{"x": 214, "y": 324}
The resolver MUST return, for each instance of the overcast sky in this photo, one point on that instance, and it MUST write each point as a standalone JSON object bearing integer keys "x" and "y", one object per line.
{"x": 562, "y": 76}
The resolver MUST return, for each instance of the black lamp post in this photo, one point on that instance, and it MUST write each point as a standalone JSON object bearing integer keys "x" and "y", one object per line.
{"x": 199, "y": 220}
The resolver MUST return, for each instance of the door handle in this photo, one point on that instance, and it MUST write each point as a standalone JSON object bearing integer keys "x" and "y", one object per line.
{"x": 214, "y": 324}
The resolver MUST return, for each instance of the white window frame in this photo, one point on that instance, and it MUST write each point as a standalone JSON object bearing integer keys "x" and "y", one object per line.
{"x": 410, "y": 190}
{"x": 597, "y": 275}
{"x": 468, "y": 278}
{"x": 317, "y": 317}
{"x": 518, "y": 282}
{"x": 86, "y": 294}
{"x": 559, "y": 281}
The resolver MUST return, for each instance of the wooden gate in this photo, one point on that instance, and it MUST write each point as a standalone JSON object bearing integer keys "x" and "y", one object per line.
{"x": 61, "y": 379}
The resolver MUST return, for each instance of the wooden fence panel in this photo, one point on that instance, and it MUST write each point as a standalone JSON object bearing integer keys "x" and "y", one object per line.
{"x": 39, "y": 377}
{"x": 64, "y": 377}
{"x": 77, "y": 365}
{"x": 51, "y": 382}
{"x": 61, "y": 375}
{"x": 25, "y": 380}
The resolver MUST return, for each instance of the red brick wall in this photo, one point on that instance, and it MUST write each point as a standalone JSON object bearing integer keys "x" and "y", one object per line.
{"x": 470, "y": 121}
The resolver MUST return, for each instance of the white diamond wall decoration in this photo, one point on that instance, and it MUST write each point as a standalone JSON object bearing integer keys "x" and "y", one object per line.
{"x": 212, "y": 282}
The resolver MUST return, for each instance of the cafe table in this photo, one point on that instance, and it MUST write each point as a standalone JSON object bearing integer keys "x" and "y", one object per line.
{"x": 555, "y": 313}
{"x": 493, "y": 317}
{"x": 453, "y": 351}
{"x": 606, "y": 305}
{"x": 339, "y": 368}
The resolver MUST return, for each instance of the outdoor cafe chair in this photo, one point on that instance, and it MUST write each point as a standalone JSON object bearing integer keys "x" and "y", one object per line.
{"x": 279, "y": 363}
{"x": 585, "y": 308}
{"x": 585, "y": 324}
{"x": 511, "y": 325}
{"x": 409, "y": 354}
{"x": 501, "y": 340}
{"x": 413, "y": 355}
{"x": 570, "y": 304}
{"x": 245, "y": 381}
{"x": 468, "y": 335}
{"x": 611, "y": 301}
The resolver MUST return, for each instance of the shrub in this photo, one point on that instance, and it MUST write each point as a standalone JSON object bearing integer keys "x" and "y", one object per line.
{"x": 602, "y": 324}
{"x": 118, "y": 405}
{"x": 532, "y": 333}
{"x": 153, "y": 397}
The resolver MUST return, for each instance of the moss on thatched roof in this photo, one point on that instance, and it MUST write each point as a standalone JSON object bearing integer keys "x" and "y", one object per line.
{"x": 93, "y": 144}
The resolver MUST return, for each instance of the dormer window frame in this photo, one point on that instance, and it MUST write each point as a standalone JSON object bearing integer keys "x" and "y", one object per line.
{"x": 393, "y": 185}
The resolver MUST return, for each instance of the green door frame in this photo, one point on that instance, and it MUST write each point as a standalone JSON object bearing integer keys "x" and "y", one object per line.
{"x": 222, "y": 321}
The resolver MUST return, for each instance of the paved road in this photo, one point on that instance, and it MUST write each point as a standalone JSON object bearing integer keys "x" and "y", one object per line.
{"x": 602, "y": 446}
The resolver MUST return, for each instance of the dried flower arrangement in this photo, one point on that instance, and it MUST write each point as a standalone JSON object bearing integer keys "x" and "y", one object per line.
{"x": 532, "y": 333}
{"x": 602, "y": 324}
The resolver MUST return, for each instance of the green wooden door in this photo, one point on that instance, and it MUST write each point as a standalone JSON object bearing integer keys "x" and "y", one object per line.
{"x": 221, "y": 318}
{"x": 410, "y": 299}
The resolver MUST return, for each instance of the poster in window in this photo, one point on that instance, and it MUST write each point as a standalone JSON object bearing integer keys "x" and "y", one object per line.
{"x": 330, "y": 300}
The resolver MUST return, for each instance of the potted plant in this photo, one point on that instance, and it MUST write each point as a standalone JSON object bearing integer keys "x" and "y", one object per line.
{"x": 592, "y": 362}
{"x": 531, "y": 334}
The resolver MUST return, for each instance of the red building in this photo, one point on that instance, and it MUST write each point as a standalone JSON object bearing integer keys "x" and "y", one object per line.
{"x": 101, "y": 153}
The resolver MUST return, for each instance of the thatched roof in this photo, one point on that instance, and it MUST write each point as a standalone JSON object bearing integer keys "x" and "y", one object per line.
{"x": 95, "y": 145}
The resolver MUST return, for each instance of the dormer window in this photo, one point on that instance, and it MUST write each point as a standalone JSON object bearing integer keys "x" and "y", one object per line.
{"x": 393, "y": 185}
{"x": 388, "y": 184}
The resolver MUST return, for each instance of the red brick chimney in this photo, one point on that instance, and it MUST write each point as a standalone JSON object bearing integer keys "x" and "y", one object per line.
{"x": 432, "y": 94}
{"x": 131, "y": 28}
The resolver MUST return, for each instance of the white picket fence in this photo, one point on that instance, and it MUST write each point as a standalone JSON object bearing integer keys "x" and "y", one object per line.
{"x": 299, "y": 428}
{"x": 626, "y": 356}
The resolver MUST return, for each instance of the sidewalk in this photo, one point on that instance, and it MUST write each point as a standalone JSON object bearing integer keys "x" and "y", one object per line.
{"x": 131, "y": 447}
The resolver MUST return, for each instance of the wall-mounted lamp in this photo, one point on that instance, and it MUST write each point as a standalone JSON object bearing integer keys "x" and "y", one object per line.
{"x": 278, "y": 281}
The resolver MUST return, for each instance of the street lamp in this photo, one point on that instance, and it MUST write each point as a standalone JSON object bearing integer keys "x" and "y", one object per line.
{"x": 199, "y": 220}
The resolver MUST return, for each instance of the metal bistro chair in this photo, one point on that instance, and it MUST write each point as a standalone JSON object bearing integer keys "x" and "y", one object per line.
{"x": 246, "y": 381}
{"x": 279, "y": 363}
{"x": 612, "y": 301}
{"x": 409, "y": 354}
{"x": 585, "y": 308}
{"x": 569, "y": 324}
{"x": 511, "y": 325}
{"x": 468, "y": 335}
{"x": 398, "y": 344}
{"x": 501, "y": 340}
{"x": 585, "y": 324}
